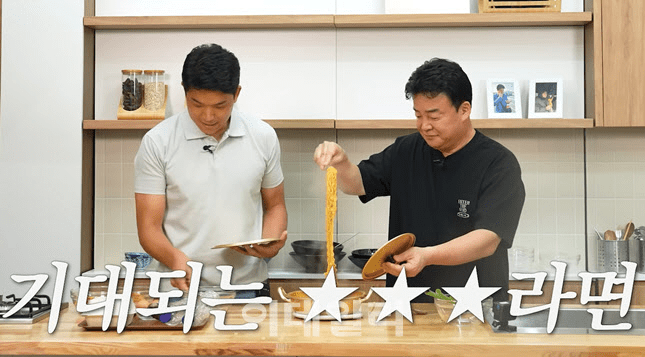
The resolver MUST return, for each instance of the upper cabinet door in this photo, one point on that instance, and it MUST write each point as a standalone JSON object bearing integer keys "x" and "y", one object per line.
{"x": 623, "y": 48}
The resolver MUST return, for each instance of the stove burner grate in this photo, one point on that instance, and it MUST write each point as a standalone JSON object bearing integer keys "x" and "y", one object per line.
{"x": 36, "y": 306}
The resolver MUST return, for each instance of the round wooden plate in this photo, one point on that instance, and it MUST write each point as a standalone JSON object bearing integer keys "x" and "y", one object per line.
{"x": 397, "y": 245}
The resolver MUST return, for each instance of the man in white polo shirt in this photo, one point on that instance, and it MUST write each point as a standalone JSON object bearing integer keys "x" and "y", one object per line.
{"x": 210, "y": 175}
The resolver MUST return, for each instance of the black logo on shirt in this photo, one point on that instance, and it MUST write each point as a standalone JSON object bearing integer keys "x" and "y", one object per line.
{"x": 463, "y": 213}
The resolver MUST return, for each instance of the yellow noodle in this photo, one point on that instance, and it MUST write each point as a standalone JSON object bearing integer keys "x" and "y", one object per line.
{"x": 330, "y": 211}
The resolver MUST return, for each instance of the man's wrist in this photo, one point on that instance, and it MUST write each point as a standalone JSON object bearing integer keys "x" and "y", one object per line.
{"x": 428, "y": 255}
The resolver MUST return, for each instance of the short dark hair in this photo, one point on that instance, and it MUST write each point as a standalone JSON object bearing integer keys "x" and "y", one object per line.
{"x": 440, "y": 76}
{"x": 211, "y": 67}
{"x": 500, "y": 86}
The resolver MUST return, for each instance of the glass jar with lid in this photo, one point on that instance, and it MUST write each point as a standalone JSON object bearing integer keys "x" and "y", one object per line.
{"x": 155, "y": 89}
{"x": 132, "y": 88}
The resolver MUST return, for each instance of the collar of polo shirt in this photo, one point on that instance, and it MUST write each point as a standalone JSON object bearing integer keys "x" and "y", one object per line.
{"x": 191, "y": 131}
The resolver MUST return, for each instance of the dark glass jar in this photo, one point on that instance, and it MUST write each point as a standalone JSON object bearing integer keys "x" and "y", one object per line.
{"x": 132, "y": 88}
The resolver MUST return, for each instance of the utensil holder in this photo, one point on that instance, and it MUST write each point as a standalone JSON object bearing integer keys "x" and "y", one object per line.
{"x": 637, "y": 254}
{"x": 611, "y": 253}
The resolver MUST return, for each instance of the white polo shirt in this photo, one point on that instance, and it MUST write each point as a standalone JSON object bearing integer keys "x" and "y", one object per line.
{"x": 211, "y": 198}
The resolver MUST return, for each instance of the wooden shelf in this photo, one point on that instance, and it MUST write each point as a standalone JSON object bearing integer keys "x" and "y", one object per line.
{"x": 361, "y": 124}
{"x": 339, "y": 21}
{"x": 376, "y": 124}
{"x": 533, "y": 123}
{"x": 465, "y": 20}
{"x": 148, "y": 124}
{"x": 207, "y": 22}
{"x": 119, "y": 124}
{"x": 302, "y": 123}
{"x": 477, "y": 123}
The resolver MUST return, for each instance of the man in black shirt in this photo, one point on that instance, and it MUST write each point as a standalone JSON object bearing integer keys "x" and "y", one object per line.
{"x": 459, "y": 192}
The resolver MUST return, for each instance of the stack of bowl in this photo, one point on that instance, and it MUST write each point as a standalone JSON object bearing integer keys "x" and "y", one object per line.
{"x": 360, "y": 256}
{"x": 141, "y": 259}
{"x": 312, "y": 254}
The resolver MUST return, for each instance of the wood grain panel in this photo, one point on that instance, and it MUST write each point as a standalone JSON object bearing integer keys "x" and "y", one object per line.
{"x": 464, "y": 20}
{"x": 280, "y": 334}
{"x": 328, "y": 21}
{"x": 623, "y": 48}
{"x": 638, "y": 293}
{"x": 87, "y": 181}
{"x": 149, "y": 124}
{"x": 362, "y": 124}
{"x": 593, "y": 63}
{"x": 547, "y": 290}
{"x": 208, "y": 22}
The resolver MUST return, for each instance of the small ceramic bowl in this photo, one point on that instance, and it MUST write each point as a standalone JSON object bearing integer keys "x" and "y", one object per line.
{"x": 315, "y": 263}
{"x": 314, "y": 247}
{"x": 359, "y": 262}
{"x": 141, "y": 259}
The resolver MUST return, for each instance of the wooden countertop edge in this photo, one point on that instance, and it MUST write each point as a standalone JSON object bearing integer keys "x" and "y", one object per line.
{"x": 323, "y": 348}
{"x": 293, "y": 338}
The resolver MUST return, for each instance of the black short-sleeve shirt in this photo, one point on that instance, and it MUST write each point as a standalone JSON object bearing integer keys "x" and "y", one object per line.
{"x": 439, "y": 199}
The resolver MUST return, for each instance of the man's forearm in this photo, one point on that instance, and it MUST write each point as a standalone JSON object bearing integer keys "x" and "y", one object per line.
{"x": 349, "y": 179}
{"x": 155, "y": 243}
{"x": 274, "y": 221}
{"x": 472, "y": 246}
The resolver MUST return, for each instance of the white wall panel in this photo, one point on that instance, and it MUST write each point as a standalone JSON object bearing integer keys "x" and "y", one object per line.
{"x": 375, "y": 64}
{"x": 262, "y": 7}
{"x": 212, "y": 7}
{"x": 285, "y": 74}
{"x": 40, "y": 139}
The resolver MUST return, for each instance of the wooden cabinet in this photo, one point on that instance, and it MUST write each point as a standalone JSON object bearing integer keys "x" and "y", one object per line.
{"x": 547, "y": 291}
{"x": 623, "y": 63}
{"x": 638, "y": 294}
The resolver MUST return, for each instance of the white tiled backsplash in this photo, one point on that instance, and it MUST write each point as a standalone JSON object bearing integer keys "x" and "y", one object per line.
{"x": 553, "y": 171}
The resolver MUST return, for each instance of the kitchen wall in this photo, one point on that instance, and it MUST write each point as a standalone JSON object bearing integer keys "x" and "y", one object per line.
{"x": 552, "y": 222}
{"x": 553, "y": 163}
{"x": 40, "y": 140}
{"x": 359, "y": 74}
{"x": 615, "y": 181}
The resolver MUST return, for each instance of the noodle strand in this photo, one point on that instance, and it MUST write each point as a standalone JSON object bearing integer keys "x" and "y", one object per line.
{"x": 330, "y": 211}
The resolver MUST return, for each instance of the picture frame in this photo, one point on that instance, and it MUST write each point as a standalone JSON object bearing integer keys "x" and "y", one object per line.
{"x": 546, "y": 98}
{"x": 509, "y": 105}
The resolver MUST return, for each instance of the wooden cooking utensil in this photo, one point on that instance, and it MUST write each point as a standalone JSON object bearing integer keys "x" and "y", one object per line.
{"x": 397, "y": 245}
{"x": 629, "y": 230}
{"x": 610, "y": 235}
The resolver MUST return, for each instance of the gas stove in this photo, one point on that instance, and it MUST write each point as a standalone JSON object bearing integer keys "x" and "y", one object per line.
{"x": 36, "y": 309}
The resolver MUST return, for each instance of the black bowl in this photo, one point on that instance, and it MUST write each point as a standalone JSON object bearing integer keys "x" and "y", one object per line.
{"x": 358, "y": 261}
{"x": 363, "y": 253}
{"x": 315, "y": 263}
{"x": 314, "y": 247}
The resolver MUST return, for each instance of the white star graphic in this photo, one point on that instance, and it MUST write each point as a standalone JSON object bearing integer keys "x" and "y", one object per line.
{"x": 470, "y": 297}
{"x": 398, "y": 297}
{"x": 327, "y": 297}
